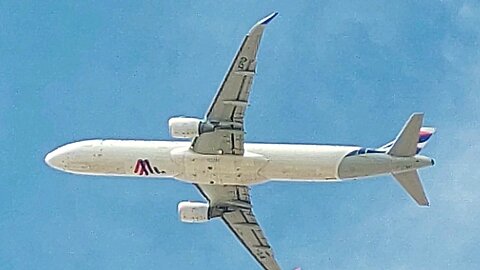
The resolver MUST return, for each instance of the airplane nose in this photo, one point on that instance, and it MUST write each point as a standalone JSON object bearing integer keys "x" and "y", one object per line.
{"x": 55, "y": 159}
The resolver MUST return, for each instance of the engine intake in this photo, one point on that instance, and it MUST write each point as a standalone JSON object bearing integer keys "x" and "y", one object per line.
{"x": 184, "y": 127}
{"x": 193, "y": 212}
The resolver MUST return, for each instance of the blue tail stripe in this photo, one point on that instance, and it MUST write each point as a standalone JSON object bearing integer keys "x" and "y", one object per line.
{"x": 424, "y": 137}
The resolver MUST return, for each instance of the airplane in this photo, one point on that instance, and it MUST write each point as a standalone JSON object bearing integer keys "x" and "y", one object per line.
{"x": 217, "y": 161}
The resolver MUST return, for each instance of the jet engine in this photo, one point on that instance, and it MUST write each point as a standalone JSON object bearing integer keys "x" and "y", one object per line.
{"x": 193, "y": 212}
{"x": 184, "y": 127}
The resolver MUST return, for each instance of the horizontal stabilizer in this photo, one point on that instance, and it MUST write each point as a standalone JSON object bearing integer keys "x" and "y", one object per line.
{"x": 405, "y": 144}
{"x": 411, "y": 183}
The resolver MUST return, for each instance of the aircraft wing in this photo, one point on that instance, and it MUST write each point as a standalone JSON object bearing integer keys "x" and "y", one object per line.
{"x": 232, "y": 204}
{"x": 226, "y": 113}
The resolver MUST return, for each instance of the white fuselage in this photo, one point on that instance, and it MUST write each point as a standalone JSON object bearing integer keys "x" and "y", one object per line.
{"x": 261, "y": 162}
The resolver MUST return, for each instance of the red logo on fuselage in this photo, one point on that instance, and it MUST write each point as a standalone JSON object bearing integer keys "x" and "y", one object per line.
{"x": 143, "y": 167}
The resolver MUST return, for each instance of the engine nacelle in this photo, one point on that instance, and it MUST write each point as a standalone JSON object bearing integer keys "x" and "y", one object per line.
{"x": 184, "y": 127}
{"x": 193, "y": 212}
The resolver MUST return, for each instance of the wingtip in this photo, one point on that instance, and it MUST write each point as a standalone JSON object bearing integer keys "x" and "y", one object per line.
{"x": 262, "y": 23}
{"x": 418, "y": 114}
{"x": 269, "y": 18}
{"x": 423, "y": 202}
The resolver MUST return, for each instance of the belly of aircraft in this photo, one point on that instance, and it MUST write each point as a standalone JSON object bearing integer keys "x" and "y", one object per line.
{"x": 289, "y": 162}
{"x": 262, "y": 162}
{"x": 163, "y": 159}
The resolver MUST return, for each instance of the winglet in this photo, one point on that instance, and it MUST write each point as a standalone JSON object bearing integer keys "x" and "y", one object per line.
{"x": 260, "y": 25}
{"x": 268, "y": 18}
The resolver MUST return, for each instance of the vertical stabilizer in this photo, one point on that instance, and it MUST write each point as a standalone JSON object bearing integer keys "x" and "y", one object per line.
{"x": 411, "y": 183}
{"x": 425, "y": 134}
{"x": 423, "y": 139}
{"x": 405, "y": 144}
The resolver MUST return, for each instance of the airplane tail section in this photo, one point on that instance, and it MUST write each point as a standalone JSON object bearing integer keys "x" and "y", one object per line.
{"x": 424, "y": 136}
{"x": 410, "y": 181}
{"x": 405, "y": 145}
{"x": 408, "y": 143}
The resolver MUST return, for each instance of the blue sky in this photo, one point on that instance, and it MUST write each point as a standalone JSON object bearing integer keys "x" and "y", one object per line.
{"x": 345, "y": 72}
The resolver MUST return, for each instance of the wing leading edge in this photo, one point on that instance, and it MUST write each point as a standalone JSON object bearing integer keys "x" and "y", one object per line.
{"x": 226, "y": 113}
{"x": 233, "y": 205}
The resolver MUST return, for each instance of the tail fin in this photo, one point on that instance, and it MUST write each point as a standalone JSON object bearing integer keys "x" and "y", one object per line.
{"x": 423, "y": 137}
{"x": 412, "y": 185}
